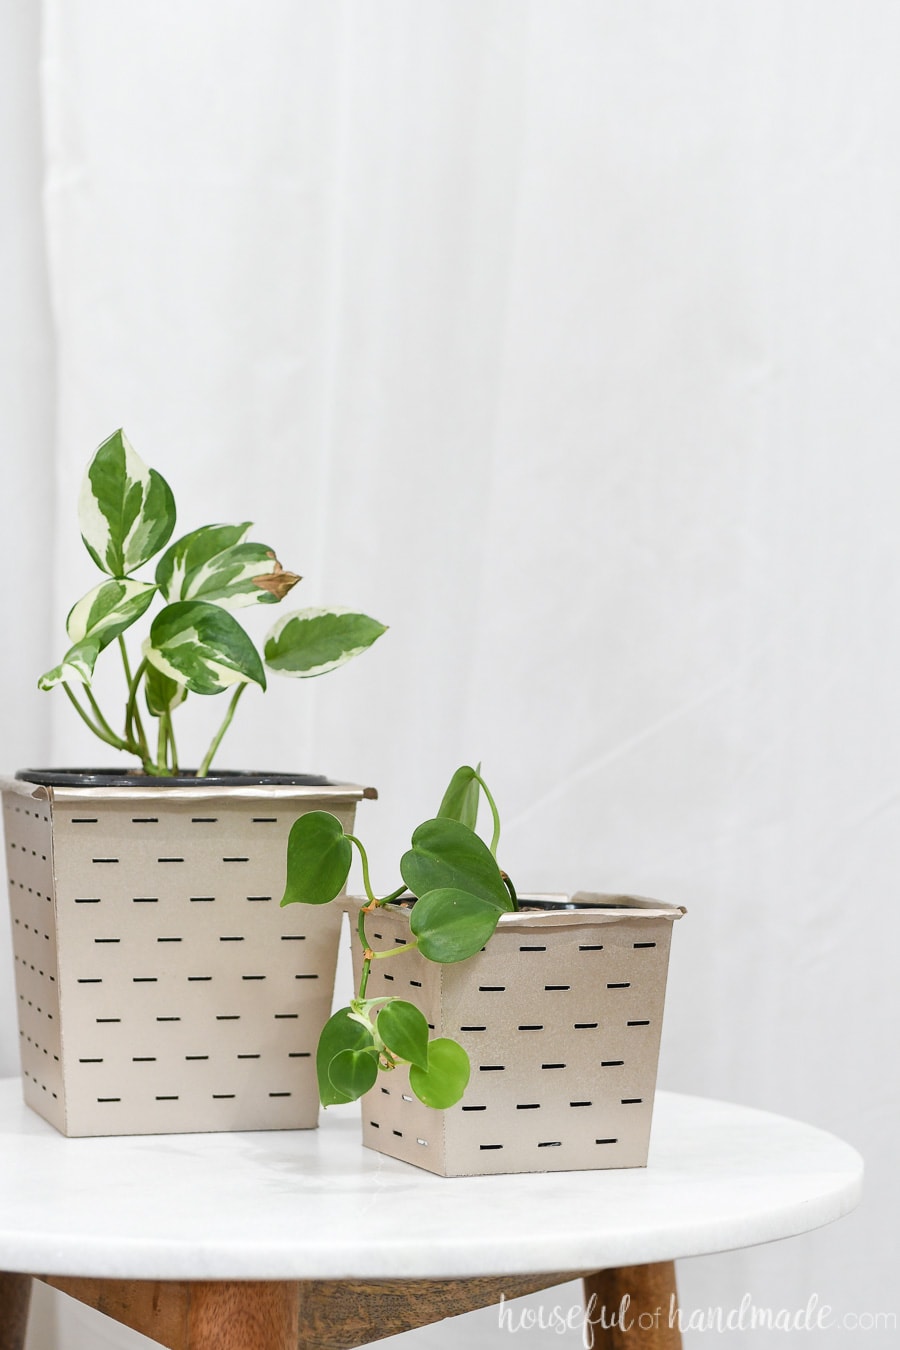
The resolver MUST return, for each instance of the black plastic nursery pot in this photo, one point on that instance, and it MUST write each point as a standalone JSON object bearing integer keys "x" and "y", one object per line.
{"x": 160, "y": 987}
{"x": 561, "y": 1016}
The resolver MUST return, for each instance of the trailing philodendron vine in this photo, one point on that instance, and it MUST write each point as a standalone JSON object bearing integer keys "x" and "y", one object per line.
{"x": 195, "y": 645}
{"x": 460, "y": 894}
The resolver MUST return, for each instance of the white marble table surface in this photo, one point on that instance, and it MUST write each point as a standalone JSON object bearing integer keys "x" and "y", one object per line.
{"x": 314, "y": 1204}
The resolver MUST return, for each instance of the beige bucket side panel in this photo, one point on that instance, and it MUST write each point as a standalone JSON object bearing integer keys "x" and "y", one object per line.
{"x": 29, "y": 867}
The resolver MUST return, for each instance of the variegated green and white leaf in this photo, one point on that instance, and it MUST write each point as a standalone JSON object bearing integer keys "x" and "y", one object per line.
{"x": 311, "y": 642}
{"x": 217, "y": 564}
{"x": 126, "y": 510}
{"x": 191, "y": 554}
{"x": 94, "y": 622}
{"x": 201, "y": 646}
{"x": 162, "y": 694}
{"x": 109, "y": 609}
{"x": 77, "y": 664}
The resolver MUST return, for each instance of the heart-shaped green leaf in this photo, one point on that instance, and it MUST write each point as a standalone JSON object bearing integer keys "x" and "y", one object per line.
{"x": 341, "y": 1033}
{"x": 126, "y": 510}
{"x": 218, "y": 565}
{"x": 203, "y": 647}
{"x": 446, "y": 853}
{"x": 313, "y": 641}
{"x": 445, "y": 1079}
{"x": 404, "y": 1031}
{"x": 460, "y": 801}
{"x": 452, "y": 925}
{"x": 318, "y": 859}
{"x": 353, "y": 1072}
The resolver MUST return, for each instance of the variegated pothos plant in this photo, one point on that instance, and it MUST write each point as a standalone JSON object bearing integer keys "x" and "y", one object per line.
{"x": 195, "y": 644}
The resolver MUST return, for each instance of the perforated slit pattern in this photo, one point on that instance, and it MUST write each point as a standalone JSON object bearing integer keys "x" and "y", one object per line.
{"x": 187, "y": 1007}
{"x": 29, "y": 868}
{"x": 563, "y": 1055}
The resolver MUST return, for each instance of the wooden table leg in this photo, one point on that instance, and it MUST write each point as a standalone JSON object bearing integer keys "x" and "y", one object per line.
{"x": 634, "y": 1307}
{"x": 244, "y": 1316}
{"x": 15, "y": 1296}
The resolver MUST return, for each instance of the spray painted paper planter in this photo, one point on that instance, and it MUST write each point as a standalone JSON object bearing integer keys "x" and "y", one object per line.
{"x": 160, "y": 987}
{"x": 561, "y": 1016}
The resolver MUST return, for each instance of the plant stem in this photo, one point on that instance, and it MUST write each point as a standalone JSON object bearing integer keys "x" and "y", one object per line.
{"x": 507, "y": 881}
{"x": 132, "y": 717}
{"x": 162, "y": 737}
{"x": 394, "y": 895}
{"x": 361, "y": 917}
{"x": 364, "y": 977}
{"x": 126, "y": 666}
{"x": 494, "y": 812}
{"x": 123, "y": 651}
{"x": 109, "y": 737}
{"x": 367, "y": 885}
{"x": 101, "y": 720}
{"x": 371, "y": 955}
{"x": 363, "y": 937}
{"x": 374, "y": 902}
{"x": 217, "y": 739}
{"x": 361, "y": 931}
{"x": 173, "y": 749}
{"x": 134, "y": 727}
{"x": 394, "y": 951}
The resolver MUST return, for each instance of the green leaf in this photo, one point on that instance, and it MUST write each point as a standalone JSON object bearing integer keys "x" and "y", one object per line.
{"x": 311, "y": 642}
{"x": 353, "y": 1072}
{"x": 93, "y": 623}
{"x": 452, "y": 925}
{"x": 446, "y": 853}
{"x": 108, "y": 610}
{"x": 318, "y": 859}
{"x": 77, "y": 664}
{"x": 161, "y": 693}
{"x": 340, "y": 1033}
{"x": 460, "y": 801}
{"x": 216, "y": 564}
{"x": 126, "y": 511}
{"x": 404, "y": 1031}
{"x": 203, "y": 647}
{"x": 446, "y": 1078}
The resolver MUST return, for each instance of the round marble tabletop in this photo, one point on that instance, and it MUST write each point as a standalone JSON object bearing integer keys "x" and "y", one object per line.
{"x": 314, "y": 1204}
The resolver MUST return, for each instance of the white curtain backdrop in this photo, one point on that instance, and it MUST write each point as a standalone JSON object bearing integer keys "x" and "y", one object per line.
{"x": 561, "y": 336}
